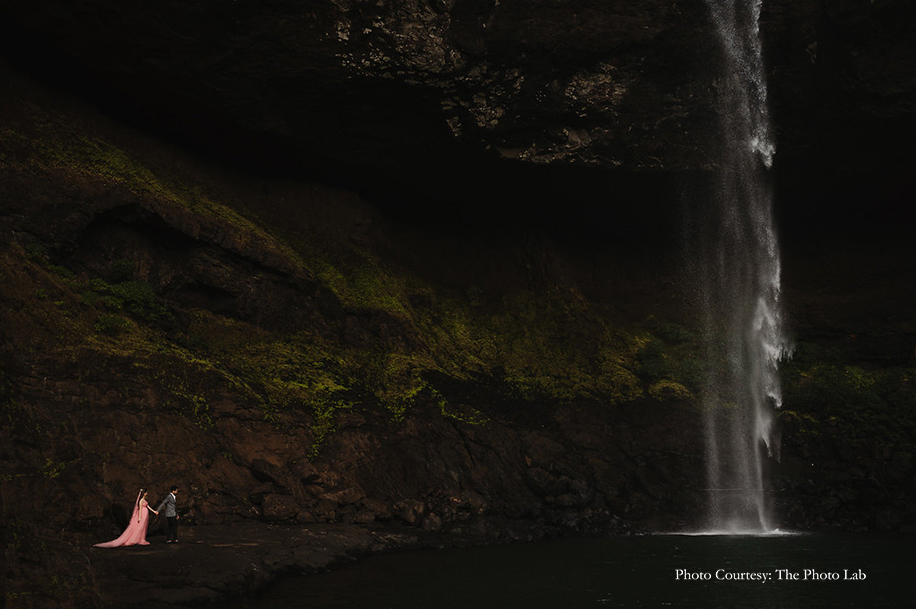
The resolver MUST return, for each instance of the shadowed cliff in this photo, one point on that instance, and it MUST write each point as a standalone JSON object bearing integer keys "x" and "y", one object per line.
{"x": 286, "y": 355}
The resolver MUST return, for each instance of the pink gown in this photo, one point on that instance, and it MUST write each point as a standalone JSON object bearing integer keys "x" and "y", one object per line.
{"x": 135, "y": 533}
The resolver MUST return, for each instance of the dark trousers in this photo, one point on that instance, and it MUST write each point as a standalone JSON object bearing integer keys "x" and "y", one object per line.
{"x": 171, "y": 529}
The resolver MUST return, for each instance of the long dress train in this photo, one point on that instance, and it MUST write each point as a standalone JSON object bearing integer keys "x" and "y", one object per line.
{"x": 135, "y": 533}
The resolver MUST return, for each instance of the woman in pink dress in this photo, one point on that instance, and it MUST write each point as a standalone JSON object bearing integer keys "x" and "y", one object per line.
{"x": 135, "y": 533}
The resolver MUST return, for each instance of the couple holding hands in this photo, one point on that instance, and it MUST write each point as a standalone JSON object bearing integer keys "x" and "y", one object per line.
{"x": 135, "y": 533}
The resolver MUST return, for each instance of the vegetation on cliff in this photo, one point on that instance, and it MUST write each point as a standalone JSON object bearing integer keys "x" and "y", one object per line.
{"x": 153, "y": 303}
{"x": 550, "y": 345}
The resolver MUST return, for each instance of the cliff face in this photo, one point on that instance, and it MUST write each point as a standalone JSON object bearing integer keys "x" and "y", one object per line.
{"x": 380, "y": 86}
{"x": 416, "y": 95}
{"x": 193, "y": 293}
{"x": 286, "y": 355}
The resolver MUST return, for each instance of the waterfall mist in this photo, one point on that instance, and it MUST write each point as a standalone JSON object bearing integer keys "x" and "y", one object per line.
{"x": 734, "y": 250}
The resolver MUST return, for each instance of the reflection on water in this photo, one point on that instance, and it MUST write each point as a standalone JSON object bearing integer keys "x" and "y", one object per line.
{"x": 777, "y": 571}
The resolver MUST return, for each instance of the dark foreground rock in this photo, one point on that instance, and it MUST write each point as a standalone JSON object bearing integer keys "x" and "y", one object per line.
{"x": 214, "y": 563}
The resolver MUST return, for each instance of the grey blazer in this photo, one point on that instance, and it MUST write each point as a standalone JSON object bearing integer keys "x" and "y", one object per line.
{"x": 169, "y": 504}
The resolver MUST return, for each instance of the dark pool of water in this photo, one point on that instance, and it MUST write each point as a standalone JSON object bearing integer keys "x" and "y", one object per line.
{"x": 853, "y": 571}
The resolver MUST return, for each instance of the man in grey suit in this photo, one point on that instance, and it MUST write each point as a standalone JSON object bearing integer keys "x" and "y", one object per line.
{"x": 171, "y": 516}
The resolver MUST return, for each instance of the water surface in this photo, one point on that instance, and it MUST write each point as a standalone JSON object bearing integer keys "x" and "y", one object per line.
{"x": 619, "y": 572}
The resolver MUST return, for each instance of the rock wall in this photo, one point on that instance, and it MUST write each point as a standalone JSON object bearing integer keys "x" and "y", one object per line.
{"x": 399, "y": 95}
{"x": 161, "y": 326}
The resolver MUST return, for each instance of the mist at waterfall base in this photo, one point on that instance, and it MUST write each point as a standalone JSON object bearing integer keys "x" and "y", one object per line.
{"x": 833, "y": 571}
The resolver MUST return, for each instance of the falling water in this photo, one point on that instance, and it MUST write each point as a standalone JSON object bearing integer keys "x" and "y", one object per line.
{"x": 738, "y": 270}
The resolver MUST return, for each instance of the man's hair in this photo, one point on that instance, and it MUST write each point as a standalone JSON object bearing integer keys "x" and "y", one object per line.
{"x": 174, "y": 488}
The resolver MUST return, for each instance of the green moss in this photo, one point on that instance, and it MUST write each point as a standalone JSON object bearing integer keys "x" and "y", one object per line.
{"x": 37, "y": 252}
{"x": 62, "y": 271}
{"x": 121, "y": 270}
{"x": 139, "y": 299}
{"x": 52, "y": 469}
{"x": 325, "y": 415}
{"x": 859, "y": 378}
{"x": 805, "y": 424}
{"x": 398, "y": 384}
{"x": 877, "y": 405}
{"x": 458, "y": 412}
{"x": 53, "y": 146}
{"x": 111, "y": 325}
{"x": 666, "y": 390}
{"x": 91, "y": 299}
{"x": 356, "y": 277}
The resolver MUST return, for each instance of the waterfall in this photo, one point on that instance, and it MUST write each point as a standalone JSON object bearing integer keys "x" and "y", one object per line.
{"x": 738, "y": 272}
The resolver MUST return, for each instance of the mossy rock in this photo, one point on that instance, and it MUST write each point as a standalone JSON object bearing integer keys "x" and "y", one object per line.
{"x": 668, "y": 391}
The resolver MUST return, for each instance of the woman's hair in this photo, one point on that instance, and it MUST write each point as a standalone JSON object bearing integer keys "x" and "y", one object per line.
{"x": 140, "y": 497}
